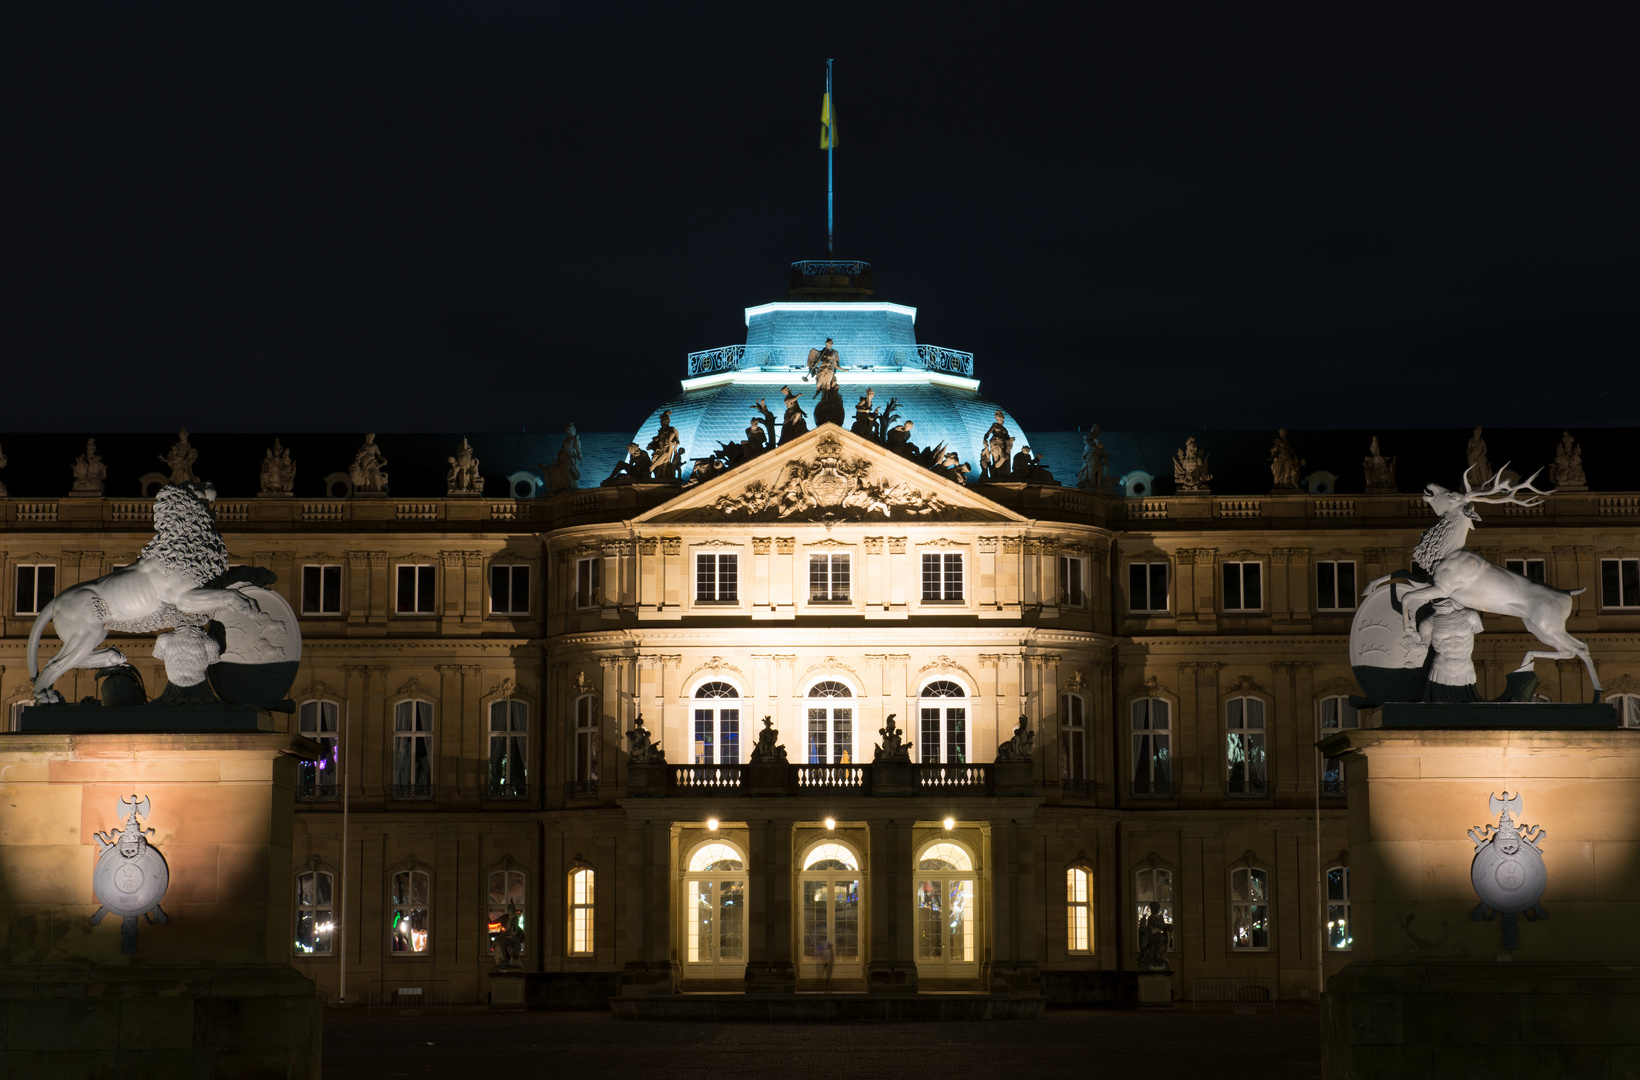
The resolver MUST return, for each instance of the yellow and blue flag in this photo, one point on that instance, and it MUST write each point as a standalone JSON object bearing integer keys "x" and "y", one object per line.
{"x": 828, "y": 123}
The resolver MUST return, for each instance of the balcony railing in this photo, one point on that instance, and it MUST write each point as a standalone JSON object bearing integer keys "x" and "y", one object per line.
{"x": 879, "y": 357}
{"x": 504, "y": 790}
{"x": 1076, "y": 789}
{"x": 581, "y": 789}
{"x": 831, "y": 777}
{"x": 910, "y": 779}
{"x": 317, "y": 792}
{"x": 707, "y": 779}
{"x": 1246, "y": 787}
{"x": 410, "y": 791}
{"x": 1152, "y": 788}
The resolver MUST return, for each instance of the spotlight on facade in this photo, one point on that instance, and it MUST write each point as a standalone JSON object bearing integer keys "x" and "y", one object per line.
{"x": 831, "y": 823}
{"x": 949, "y": 823}
{"x": 711, "y": 823}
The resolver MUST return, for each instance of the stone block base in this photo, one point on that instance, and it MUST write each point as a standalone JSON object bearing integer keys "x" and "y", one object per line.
{"x": 159, "y": 1021}
{"x": 1014, "y": 977}
{"x": 1500, "y": 1020}
{"x": 1091, "y": 989}
{"x": 641, "y": 977}
{"x": 771, "y": 977}
{"x": 573, "y": 989}
{"x": 506, "y": 990}
{"x": 891, "y": 977}
{"x": 1155, "y": 989}
{"x": 829, "y": 1008}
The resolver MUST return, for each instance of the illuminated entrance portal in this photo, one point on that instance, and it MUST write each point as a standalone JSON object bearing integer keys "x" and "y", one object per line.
{"x": 714, "y": 896}
{"x": 946, "y": 913}
{"x": 830, "y": 887}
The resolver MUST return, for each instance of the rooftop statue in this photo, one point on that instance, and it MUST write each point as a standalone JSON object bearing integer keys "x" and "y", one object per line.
{"x": 1028, "y": 469}
{"x": 1190, "y": 468}
{"x": 1284, "y": 464}
{"x": 998, "y": 450}
{"x": 1476, "y": 454}
{"x": 564, "y": 474}
{"x": 796, "y": 421}
{"x": 1380, "y": 470}
{"x": 463, "y": 478}
{"x": 1092, "y": 474}
{"x": 367, "y": 473}
{"x": 278, "y": 471}
{"x": 635, "y": 469}
{"x": 866, "y": 416}
{"x": 823, "y": 364}
{"x": 90, "y": 474}
{"x": 665, "y": 453}
{"x": 1567, "y": 471}
{"x": 180, "y": 459}
{"x": 760, "y": 433}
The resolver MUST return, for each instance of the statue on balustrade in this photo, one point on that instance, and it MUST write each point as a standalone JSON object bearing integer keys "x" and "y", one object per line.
{"x": 1284, "y": 464}
{"x": 1092, "y": 474}
{"x": 1380, "y": 470}
{"x": 796, "y": 421}
{"x": 665, "y": 452}
{"x": 463, "y": 478}
{"x": 1475, "y": 453}
{"x": 866, "y": 417}
{"x": 278, "y": 471}
{"x": 998, "y": 450}
{"x": 1021, "y": 745}
{"x": 180, "y": 458}
{"x": 564, "y": 474}
{"x": 90, "y": 474}
{"x": 643, "y": 751}
{"x": 1190, "y": 468}
{"x": 893, "y": 749}
{"x": 368, "y": 473}
{"x": 767, "y": 750}
{"x": 633, "y": 470}
{"x": 823, "y": 364}
{"x": 1567, "y": 471}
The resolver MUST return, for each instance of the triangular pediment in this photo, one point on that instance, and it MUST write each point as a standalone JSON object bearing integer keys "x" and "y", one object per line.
{"x": 829, "y": 473}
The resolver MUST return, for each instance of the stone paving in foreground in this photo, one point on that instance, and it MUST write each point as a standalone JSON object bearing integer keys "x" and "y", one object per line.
{"x": 1152, "y": 1045}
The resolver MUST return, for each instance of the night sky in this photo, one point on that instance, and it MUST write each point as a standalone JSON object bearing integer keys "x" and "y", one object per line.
{"x": 494, "y": 217}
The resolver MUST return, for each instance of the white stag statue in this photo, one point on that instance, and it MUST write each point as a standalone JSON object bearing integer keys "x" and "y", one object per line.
{"x": 1464, "y": 577}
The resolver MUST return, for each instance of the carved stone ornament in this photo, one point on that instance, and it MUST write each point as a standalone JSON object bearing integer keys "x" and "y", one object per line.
{"x": 828, "y": 484}
{"x": 1190, "y": 468}
{"x": 893, "y": 748}
{"x": 180, "y": 460}
{"x": 130, "y": 877}
{"x": 463, "y": 478}
{"x": 643, "y": 751}
{"x": 564, "y": 472}
{"x": 368, "y": 473}
{"x": 278, "y": 471}
{"x": 1380, "y": 471}
{"x": 90, "y": 474}
{"x": 1021, "y": 745}
{"x": 1508, "y": 871}
{"x": 767, "y": 750}
{"x": 1567, "y": 471}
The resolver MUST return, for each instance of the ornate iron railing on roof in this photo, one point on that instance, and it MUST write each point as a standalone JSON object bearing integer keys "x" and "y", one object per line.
{"x": 738, "y": 357}
{"x": 823, "y": 273}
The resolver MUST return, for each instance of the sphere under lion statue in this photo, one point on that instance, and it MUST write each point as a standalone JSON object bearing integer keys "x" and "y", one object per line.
{"x": 167, "y": 588}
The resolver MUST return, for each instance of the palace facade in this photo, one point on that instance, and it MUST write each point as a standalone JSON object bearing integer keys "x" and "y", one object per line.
{"x": 484, "y": 673}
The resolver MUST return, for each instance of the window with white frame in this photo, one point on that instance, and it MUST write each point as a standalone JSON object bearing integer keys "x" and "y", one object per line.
{"x": 36, "y": 586}
{"x": 586, "y": 739}
{"x": 506, "y": 907}
{"x": 1147, "y": 586}
{"x": 942, "y": 734}
{"x": 322, "y": 589}
{"x": 509, "y": 746}
{"x": 717, "y": 724}
{"x": 315, "y": 913}
{"x": 1152, "y": 747}
{"x": 1619, "y": 583}
{"x": 1073, "y": 736}
{"x": 1249, "y": 909}
{"x": 589, "y": 582}
{"x": 1078, "y": 910}
{"x": 1628, "y": 709}
{"x": 417, "y": 592}
{"x": 714, "y": 912}
{"x": 413, "y": 749}
{"x": 1531, "y": 569}
{"x": 1340, "y": 937}
{"x": 941, "y": 577}
{"x": 1153, "y": 888}
{"x": 1337, "y": 714}
{"x": 717, "y": 579}
{"x": 509, "y": 589}
{"x": 1243, "y": 586}
{"x": 828, "y": 578}
{"x": 1244, "y": 745}
{"x": 831, "y": 724}
{"x": 1072, "y": 581}
{"x": 946, "y": 914}
{"x": 319, "y": 778}
{"x": 580, "y": 911}
{"x": 830, "y": 887}
{"x": 412, "y": 910}
{"x": 1335, "y": 585}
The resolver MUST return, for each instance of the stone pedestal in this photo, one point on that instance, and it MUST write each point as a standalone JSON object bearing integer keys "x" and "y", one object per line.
{"x": 891, "y": 976}
{"x": 1014, "y": 777}
{"x": 207, "y": 991}
{"x": 1432, "y": 990}
{"x": 1156, "y": 989}
{"x": 771, "y": 977}
{"x": 506, "y": 990}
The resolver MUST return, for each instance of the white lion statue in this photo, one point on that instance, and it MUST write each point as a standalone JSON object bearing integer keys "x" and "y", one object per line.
{"x": 164, "y": 589}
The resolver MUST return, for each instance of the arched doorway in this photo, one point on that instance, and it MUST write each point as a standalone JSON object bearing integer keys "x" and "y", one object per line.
{"x": 947, "y": 912}
{"x": 714, "y": 913}
{"x": 831, "y": 903}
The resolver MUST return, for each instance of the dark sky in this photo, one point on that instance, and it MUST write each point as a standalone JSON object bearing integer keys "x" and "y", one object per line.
{"x": 471, "y": 216}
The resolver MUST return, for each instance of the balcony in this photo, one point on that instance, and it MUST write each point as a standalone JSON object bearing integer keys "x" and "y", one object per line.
{"x": 1152, "y": 789}
{"x": 581, "y": 790}
{"x": 917, "y": 357}
{"x": 500, "y": 790}
{"x": 1076, "y": 789}
{"x": 898, "y": 779}
{"x": 1247, "y": 788}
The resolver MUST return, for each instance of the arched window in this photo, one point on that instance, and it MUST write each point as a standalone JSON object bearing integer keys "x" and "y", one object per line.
{"x": 943, "y": 735}
{"x": 714, "y": 915}
{"x": 1340, "y": 937}
{"x": 1078, "y": 910}
{"x": 1628, "y": 709}
{"x": 1244, "y": 745}
{"x": 831, "y": 724}
{"x": 1337, "y": 714}
{"x": 1249, "y": 909}
{"x": 413, "y": 749}
{"x": 580, "y": 911}
{"x": 506, "y": 892}
{"x": 717, "y": 724}
{"x": 946, "y": 912}
{"x": 586, "y": 739}
{"x": 509, "y": 743}
{"x": 830, "y": 884}
{"x": 319, "y": 778}
{"x": 315, "y": 913}
{"x": 412, "y": 910}
{"x": 1073, "y": 738}
{"x": 1153, "y": 887}
{"x": 1152, "y": 750}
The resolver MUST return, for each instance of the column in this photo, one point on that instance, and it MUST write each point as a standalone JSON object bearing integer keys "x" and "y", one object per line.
{"x": 891, "y": 966}
{"x": 769, "y": 966}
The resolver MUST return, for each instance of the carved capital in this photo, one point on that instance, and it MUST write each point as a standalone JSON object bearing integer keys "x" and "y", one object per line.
{"x": 647, "y": 545}
{"x": 987, "y": 545}
{"x": 785, "y": 545}
{"x": 452, "y": 559}
{"x": 378, "y": 560}
{"x": 896, "y": 545}
{"x": 785, "y": 660}
{"x": 672, "y": 545}
{"x": 1564, "y": 551}
{"x": 760, "y": 545}
{"x": 358, "y": 560}
{"x": 1204, "y": 556}
{"x": 1011, "y": 545}
{"x": 875, "y": 659}
{"x": 874, "y": 545}
{"x": 616, "y": 548}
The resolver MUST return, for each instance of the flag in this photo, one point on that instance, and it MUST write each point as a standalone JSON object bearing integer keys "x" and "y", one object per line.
{"x": 828, "y": 123}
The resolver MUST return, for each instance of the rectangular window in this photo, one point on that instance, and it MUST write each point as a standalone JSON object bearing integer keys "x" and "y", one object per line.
{"x": 580, "y": 913}
{"x": 1147, "y": 586}
{"x": 716, "y": 579}
{"x": 413, "y": 750}
{"x": 417, "y": 593}
{"x": 412, "y": 897}
{"x": 589, "y": 583}
{"x": 1078, "y": 926}
{"x": 1152, "y": 760}
{"x": 1073, "y": 732}
{"x": 1335, "y": 586}
{"x": 828, "y": 579}
{"x": 315, "y": 913}
{"x": 1244, "y": 745}
{"x": 1337, "y": 714}
{"x": 1531, "y": 569}
{"x": 509, "y": 739}
{"x": 322, "y": 589}
{"x": 942, "y": 577}
{"x": 1071, "y": 572}
{"x": 509, "y": 590}
{"x": 1243, "y": 586}
{"x": 1339, "y": 936}
{"x": 36, "y": 586}
{"x": 1249, "y": 909}
{"x": 943, "y": 736}
{"x": 1619, "y": 583}
{"x": 586, "y": 739}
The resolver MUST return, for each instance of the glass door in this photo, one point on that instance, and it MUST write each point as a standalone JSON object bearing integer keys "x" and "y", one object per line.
{"x": 831, "y": 901}
{"x": 947, "y": 924}
{"x": 714, "y": 914}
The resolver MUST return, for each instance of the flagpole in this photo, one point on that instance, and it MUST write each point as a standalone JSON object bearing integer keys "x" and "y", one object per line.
{"x": 831, "y": 147}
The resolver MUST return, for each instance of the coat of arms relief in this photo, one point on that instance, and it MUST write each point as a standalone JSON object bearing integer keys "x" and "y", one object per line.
{"x": 831, "y": 483}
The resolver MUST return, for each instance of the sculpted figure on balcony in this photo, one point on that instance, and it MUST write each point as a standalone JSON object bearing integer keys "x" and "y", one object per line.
{"x": 1190, "y": 468}
{"x": 643, "y": 752}
{"x": 1092, "y": 474}
{"x": 665, "y": 452}
{"x": 180, "y": 458}
{"x": 278, "y": 471}
{"x": 767, "y": 750}
{"x": 1284, "y": 464}
{"x": 367, "y": 473}
{"x": 1379, "y": 469}
{"x": 1021, "y": 745}
{"x": 564, "y": 474}
{"x": 893, "y": 747}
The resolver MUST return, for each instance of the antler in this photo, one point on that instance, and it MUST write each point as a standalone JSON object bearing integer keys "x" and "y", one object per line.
{"x": 1500, "y": 491}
